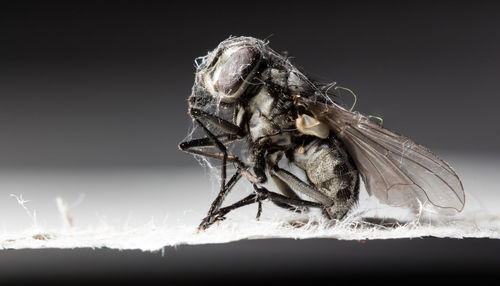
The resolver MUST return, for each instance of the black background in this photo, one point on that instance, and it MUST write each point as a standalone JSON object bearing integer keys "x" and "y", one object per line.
{"x": 98, "y": 83}
{"x": 393, "y": 262}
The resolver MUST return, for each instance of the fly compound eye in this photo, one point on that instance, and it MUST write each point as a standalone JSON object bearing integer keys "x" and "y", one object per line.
{"x": 235, "y": 70}
{"x": 230, "y": 76}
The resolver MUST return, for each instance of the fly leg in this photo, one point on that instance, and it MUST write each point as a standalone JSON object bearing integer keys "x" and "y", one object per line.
{"x": 242, "y": 170}
{"x": 288, "y": 192}
{"x": 223, "y": 125}
{"x": 284, "y": 201}
{"x": 214, "y": 141}
{"x": 222, "y": 212}
{"x": 217, "y": 122}
{"x": 259, "y": 165}
{"x": 211, "y": 139}
{"x": 214, "y": 208}
{"x": 221, "y": 147}
{"x": 207, "y": 142}
{"x": 229, "y": 129}
{"x": 298, "y": 185}
{"x": 261, "y": 194}
{"x": 232, "y": 133}
{"x": 193, "y": 147}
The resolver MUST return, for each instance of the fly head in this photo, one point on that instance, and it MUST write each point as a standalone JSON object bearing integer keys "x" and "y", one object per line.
{"x": 226, "y": 72}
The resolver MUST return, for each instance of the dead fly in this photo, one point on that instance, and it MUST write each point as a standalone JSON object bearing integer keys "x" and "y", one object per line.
{"x": 245, "y": 91}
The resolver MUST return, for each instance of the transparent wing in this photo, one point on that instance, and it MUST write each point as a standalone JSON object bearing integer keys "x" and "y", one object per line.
{"x": 396, "y": 170}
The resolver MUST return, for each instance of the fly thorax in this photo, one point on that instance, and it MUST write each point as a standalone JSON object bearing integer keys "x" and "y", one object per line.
{"x": 296, "y": 84}
{"x": 275, "y": 76}
{"x": 263, "y": 125}
{"x": 287, "y": 79}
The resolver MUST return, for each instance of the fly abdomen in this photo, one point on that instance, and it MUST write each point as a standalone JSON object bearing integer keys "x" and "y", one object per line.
{"x": 329, "y": 168}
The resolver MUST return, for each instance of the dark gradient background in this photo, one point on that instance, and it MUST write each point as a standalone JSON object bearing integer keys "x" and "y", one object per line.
{"x": 104, "y": 84}
{"x": 98, "y": 84}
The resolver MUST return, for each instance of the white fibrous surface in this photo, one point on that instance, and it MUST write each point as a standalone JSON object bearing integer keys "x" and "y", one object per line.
{"x": 149, "y": 209}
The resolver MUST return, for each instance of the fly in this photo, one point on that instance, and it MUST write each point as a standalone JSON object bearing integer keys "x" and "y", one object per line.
{"x": 245, "y": 91}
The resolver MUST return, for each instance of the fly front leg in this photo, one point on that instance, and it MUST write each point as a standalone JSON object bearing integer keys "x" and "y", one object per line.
{"x": 207, "y": 142}
{"x": 224, "y": 190}
{"x": 223, "y": 125}
{"x": 194, "y": 146}
{"x": 242, "y": 170}
{"x": 215, "y": 207}
{"x": 212, "y": 140}
{"x": 222, "y": 148}
{"x": 222, "y": 212}
{"x": 217, "y": 122}
{"x": 232, "y": 133}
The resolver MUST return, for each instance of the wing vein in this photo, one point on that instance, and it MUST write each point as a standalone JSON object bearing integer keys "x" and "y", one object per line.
{"x": 421, "y": 151}
{"x": 417, "y": 163}
{"x": 407, "y": 176}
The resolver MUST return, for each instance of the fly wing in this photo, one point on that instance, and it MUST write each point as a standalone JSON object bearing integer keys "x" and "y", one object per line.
{"x": 395, "y": 169}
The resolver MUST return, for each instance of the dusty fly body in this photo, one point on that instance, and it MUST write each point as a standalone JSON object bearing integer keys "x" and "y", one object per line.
{"x": 245, "y": 91}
